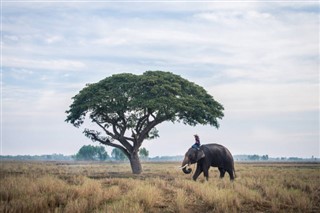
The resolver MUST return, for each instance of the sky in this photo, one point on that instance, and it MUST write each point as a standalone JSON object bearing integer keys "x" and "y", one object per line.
{"x": 260, "y": 60}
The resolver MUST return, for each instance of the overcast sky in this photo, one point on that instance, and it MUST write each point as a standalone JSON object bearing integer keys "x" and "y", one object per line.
{"x": 260, "y": 60}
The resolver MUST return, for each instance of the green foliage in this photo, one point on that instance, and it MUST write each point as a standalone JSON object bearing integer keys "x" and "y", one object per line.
{"x": 117, "y": 154}
{"x": 90, "y": 152}
{"x": 143, "y": 153}
{"x": 129, "y": 101}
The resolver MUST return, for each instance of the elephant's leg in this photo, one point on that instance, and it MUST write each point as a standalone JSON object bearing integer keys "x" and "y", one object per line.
{"x": 230, "y": 172}
{"x": 222, "y": 172}
{"x": 206, "y": 173}
{"x": 197, "y": 173}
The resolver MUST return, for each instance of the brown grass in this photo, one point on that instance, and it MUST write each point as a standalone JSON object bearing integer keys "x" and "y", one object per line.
{"x": 105, "y": 187}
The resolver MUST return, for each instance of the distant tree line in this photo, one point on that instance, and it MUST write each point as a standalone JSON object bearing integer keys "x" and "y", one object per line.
{"x": 52, "y": 157}
{"x": 85, "y": 153}
{"x": 177, "y": 158}
{"x": 254, "y": 157}
{"x": 98, "y": 153}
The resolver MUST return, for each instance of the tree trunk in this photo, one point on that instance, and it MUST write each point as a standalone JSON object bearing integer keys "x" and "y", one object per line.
{"x": 135, "y": 163}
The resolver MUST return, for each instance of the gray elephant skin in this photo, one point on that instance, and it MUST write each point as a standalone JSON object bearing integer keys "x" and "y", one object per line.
{"x": 207, "y": 155}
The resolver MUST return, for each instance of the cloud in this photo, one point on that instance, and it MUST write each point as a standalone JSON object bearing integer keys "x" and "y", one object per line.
{"x": 183, "y": 39}
{"x": 267, "y": 98}
{"x": 223, "y": 18}
{"x": 40, "y": 64}
{"x": 53, "y": 39}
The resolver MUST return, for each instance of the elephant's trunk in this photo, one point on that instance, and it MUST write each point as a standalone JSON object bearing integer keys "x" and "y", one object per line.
{"x": 187, "y": 171}
{"x": 184, "y": 166}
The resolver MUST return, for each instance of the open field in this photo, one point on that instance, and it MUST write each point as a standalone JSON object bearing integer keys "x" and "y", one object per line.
{"x": 106, "y": 187}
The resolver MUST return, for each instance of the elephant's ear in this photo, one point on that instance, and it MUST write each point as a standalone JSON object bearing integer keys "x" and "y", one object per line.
{"x": 200, "y": 155}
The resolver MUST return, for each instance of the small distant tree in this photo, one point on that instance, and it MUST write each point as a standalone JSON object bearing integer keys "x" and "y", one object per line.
{"x": 254, "y": 157}
{"x": 117, "y": 154}
{"x": 102, "y": 153}
{"x": 89, "y": 152}
{"x": 143, "y": 153}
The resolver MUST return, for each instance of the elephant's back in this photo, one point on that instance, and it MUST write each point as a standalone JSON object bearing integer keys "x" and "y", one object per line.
{"x": 217, "y": 147}
{"x": 220, "y": 154}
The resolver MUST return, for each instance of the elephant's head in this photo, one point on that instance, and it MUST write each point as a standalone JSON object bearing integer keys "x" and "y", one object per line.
{"x": 192, "y": 156}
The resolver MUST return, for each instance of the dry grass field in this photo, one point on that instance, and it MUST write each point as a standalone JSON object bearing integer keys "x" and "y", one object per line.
{"x": 110, "y": 187}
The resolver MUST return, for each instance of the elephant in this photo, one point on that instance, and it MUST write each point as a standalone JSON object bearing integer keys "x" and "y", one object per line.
{"x": 207, "y": 155}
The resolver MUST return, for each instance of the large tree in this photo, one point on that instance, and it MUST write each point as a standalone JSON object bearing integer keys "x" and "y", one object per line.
{"x": 127, "y": 108}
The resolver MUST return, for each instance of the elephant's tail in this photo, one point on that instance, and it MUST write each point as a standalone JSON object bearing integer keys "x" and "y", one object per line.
{"x": 234, "y": 172}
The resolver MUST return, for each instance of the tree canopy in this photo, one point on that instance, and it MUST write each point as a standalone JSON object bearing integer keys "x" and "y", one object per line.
{"x": 128, "y": 107}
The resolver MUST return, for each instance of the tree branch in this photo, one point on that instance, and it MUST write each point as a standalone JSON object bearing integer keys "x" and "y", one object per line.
{"x": 100, "y": 125}
{"x": 142, "y": 135}
{"x": 124, "y": 122}
{"x": 141, "y": 122}
{"x": 116, "y": 135}
{"x": 95, "y": 137}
